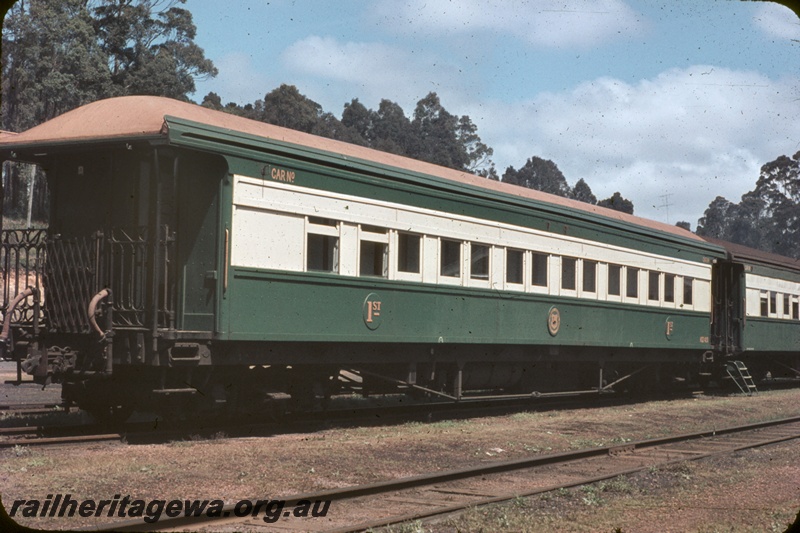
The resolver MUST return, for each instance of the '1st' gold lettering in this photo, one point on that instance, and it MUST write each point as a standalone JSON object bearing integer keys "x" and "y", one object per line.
{"x": 373, "y": 310}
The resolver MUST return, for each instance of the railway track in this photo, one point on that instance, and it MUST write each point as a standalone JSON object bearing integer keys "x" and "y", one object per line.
{"x": 427, "y": 497}
{"x": 157, "y": 430}
{"x": 32, "y": 408}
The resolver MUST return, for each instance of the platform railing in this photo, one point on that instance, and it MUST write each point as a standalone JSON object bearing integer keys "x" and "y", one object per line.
{"x": 22, "y": 258}
{"x": 68, "y": 271}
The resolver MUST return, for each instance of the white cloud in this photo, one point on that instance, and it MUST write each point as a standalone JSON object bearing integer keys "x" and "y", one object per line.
{"x": 370, "y": 70}
{"x": 777, "y": 21}
{"x": 694, "y": 133}
{"x": 542, "y": 23}
{"x": 239, "y": 80}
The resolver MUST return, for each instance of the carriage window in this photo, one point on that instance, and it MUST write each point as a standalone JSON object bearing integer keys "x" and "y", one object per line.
{"x": 669, "y": 287}
{"x": 539, "y": 269}
{"x": 614, "y": 275}
{"x": 479, "y": 261}
{"x": 408, "y": 247}
{"x": 632, "y": 283}
{"x": 450, "y": 264}
{"x": 514, "y": 266}
{"x": 786, "y": 310}
{"x": 322, "y": 245}
{"x": 764, "y": 304}
{"x": 688, "y": 284}
{"x": 772, "y": 298}
{"x": 322, "y": 253}
{"x": 590, "y": 276}
{"x": 374, "y": 251}
{"x": 373, "y": 259}
{"x": 653, "y": 290}
{"x": 568, "y": 272}
{"x": 795, "y": 308}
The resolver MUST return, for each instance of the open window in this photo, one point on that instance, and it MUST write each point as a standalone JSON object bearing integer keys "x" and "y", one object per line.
{"x": 589, "y": 276}
{"x": 669, "y": 288}
{"x": 569, "y": 267}
{"x": 632, "y": 282}
{"x": 450, "y": 258}
{"x": 653, "y": 287}
{"x": 539, "y": 269}
{"x": 614, "y": 280}
{"x": 514, "y": 266}
{"x": 688, "y": 291}
{"x": 373, "y": 252}
{"x": 408, "y": 253}
{"x": 479, "y": 261}
{"x": 322, "y": 245}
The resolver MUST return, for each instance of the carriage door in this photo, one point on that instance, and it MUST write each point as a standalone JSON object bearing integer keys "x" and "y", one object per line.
{"x": 199, "y": 177}
{"x": 728, "y": 307}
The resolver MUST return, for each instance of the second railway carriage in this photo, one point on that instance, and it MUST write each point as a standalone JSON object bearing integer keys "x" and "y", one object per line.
{"x": 194, "y": 257}
{"x": 756, "y": 309}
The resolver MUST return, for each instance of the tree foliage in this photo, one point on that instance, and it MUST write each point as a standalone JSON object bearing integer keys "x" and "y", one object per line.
{"x": 150, "y": 48}
{"x": 52, "y": 62}
{"x": 433, "y": 134}
{"x": 540, "y": 174}
{"x": 583, "y": 193}
{"x": 617, "y": 203}
{"x": 766, "y": 218}
{"x": 61, "y": 54}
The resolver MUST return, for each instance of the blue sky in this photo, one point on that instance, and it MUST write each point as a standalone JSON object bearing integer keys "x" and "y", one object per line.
{"x": 679, "y": 98}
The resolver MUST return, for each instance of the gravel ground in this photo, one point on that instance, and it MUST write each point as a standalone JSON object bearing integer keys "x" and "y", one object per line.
{"x": 754, "y": 491}
{"x": 26, "y": 392}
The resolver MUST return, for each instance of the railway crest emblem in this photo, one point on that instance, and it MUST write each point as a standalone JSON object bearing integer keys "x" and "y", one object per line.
{"x": 553, "y": 321}
{"x": 669, "y": 327}
{"x": 372, "y": 311}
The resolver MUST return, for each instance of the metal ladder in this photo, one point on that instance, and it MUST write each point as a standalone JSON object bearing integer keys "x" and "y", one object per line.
{"x": 741, "y": 376}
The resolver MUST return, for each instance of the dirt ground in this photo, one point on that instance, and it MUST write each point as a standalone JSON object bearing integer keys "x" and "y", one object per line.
{"x": 753, "y": 491}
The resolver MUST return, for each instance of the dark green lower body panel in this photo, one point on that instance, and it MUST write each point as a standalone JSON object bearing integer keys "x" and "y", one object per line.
{"x": 285, "y": 307}
{"x": 771, "y": 335}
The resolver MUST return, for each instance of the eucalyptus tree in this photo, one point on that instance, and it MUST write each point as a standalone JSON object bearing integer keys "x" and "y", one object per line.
{"x": 617, "y": 203}
{"x": 583, "y": 193}
{"x": 540, "y": 174}
{"x": 150, "y": 47}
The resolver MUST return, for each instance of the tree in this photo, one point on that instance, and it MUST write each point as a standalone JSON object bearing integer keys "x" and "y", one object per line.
{"x": 583, "y": 193}
{"x": 436, "y": 135}
{"x": 51, "y": 62}
{"x": 684, "y": 225}
{"x": 489, "y": 173}
{"x": 478, "y": 153}
{"x": 151, "y": 51}
{"x": 716, "y": 221}
{"x": 391, "y": 130}
{"x": 540, "y": 174}
{"x": 359, "y": 119}
{"x": 778, "y": 189}
{"x": 617, "y": 203}
{"x": 766, "y": 218}
{"x": 61, "y": 54}
{"x": 212, "y": 101}
{"x": 286, "y": 107}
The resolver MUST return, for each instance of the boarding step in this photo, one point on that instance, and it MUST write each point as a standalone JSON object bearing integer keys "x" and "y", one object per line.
{"x": 741, "y": 376}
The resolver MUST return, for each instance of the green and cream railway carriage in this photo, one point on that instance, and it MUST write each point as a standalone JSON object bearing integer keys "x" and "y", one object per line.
{"x": 195, "y": 255}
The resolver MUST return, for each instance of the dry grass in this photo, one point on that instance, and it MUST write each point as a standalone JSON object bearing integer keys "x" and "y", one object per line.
{"x": 286, "y": 464}
{"x": 755, "y": 491}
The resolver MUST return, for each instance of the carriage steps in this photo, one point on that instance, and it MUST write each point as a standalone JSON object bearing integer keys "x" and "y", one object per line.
{"x": 741, "y": 376}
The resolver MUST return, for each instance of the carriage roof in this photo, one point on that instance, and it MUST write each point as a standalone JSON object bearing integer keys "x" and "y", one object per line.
{"x": 131, "y": 118}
